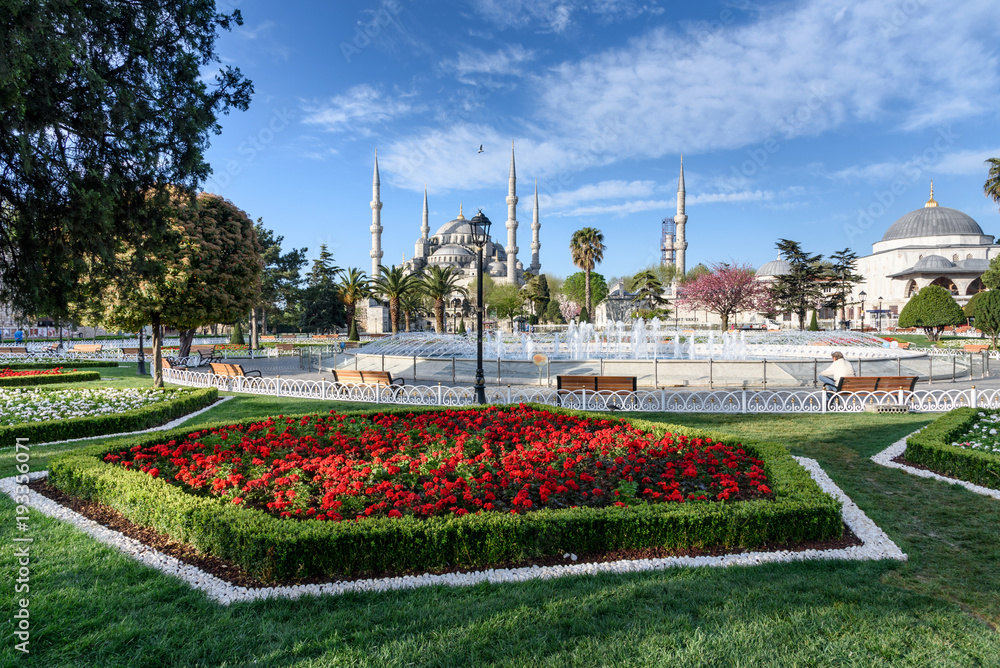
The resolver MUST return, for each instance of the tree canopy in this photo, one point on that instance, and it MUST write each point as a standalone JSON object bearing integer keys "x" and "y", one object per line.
{"x": 986, "y": 311}
{"x": 800, "y": 289}
{"x": 101, "y": 103}
{"x": 575, "y": 288}
{"x": 727, "y": 289}
{"x": 281, "y": 278}
{"x": 932, "y": 309}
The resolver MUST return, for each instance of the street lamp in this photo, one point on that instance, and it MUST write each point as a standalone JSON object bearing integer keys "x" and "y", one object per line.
{"x": 480, "y": 225}
{"x": 880, "y": 314}
{"x": 862, "y": 296}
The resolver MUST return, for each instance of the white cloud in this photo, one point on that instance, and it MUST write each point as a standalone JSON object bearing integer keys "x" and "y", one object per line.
{"x": 969, "y": 162}
{"x": 742, "y": 196}
{"x": 604, "y": 190}
{"x": 356, "y": 110}
{"x": 621, "y": 209}
{"x": 505, "y": 62}
{"x": 557, "y": 15}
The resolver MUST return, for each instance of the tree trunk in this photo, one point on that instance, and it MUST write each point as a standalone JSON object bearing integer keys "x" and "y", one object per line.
{"x": 254, "y": 343}
{"x": 587, "y": 293}
{"x": 351, "y": 308}
{"x": 394, "y": 315}
{"x": 725, "y": 321}
{"x": 439, "y": 315}
{"x": 157, "y": 351}
{"x": 186, "y": 336}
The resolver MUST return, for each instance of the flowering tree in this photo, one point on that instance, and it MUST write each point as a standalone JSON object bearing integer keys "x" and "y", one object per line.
{"x": 727, "y": 290}
{"x": 569, "y": 309}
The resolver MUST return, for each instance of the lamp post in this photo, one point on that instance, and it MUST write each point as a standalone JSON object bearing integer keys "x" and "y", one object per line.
{"x": 879, "y": 314}
{"x": 480, "y": 225}
{"x": 861, "y": 296}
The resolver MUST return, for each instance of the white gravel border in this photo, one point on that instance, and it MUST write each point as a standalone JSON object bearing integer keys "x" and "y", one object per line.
{"x": 163, "y": 427}
{"x": 876, "y": 545}
{"x": 885, "y": 458}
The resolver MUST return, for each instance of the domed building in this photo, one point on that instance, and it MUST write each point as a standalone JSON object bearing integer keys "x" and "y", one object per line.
{"x": 933, "y": 245}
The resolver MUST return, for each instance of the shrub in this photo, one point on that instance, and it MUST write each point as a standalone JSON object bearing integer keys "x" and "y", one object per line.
{"x": 932, "y": 447}
{"x": 50, "y": 379}
{"x": 272, "y": 548}
{"x": 933, "y": 309}
{"x": 99, "y": 425}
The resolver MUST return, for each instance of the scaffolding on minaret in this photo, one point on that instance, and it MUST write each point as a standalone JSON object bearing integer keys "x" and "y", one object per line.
{"x": 668, "y": 254}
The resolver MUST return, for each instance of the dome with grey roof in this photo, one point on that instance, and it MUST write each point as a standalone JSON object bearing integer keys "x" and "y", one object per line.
{"x": 932, "y": 221}
{"x": 933, "y": 262}
{"x": 777, "y": 267}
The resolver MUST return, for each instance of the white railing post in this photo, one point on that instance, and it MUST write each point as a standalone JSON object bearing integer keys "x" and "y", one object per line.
{"x": 822, "y": 396}
{"x": 508, "y": 393}
{"x": 663, "y": 400}
{"x": 378, "y": 390}
{"x": 973, "y": 397}
{"x": 440, "y": 402}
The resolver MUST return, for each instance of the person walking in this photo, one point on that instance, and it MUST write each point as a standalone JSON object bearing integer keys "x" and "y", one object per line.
{"x": 832, "y": 374}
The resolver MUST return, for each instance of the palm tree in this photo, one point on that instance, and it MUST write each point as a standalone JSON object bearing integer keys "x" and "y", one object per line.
{"x": 412, "y": 306}
{"x": 353, "y": 288}
{"x": 992, "y": 185}
{"x": 438, "y": 283}
{"x": 393, "y": 284}
{"x": 587, "y": 248}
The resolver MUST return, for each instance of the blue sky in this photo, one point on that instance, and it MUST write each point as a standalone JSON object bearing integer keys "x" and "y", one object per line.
{"x": 818, "y": 121}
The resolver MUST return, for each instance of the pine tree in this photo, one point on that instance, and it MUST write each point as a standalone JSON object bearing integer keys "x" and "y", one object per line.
{"x": 800, "y": 289}
{"x": 814, "y": 323}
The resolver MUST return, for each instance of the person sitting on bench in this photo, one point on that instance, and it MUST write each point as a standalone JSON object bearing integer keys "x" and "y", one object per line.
{"x": 832, "y": 374}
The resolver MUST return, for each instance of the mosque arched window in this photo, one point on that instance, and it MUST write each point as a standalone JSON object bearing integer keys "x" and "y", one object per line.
{"x": 947, "y": 284}
{"x": 969, "y": 256}
{"x": 911, "y": 288}
{"x": 954, "y": 258}
{"x": 975, "y": 286}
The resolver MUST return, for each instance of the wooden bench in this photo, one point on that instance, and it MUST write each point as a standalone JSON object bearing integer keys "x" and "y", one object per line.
{"x": 876, "y": 384}
{"x": 84, "y": 348}
{"x": 367, "y": 377}
{"x": 285, "y": 347}
{"x": 604, "y": 385}
{"x": 976, "y": 347}
{"x": 135, "y": 351}
{"x": 206, "y": 354}
{"x": 233, "y": 371}
{"x": 13, "y": 350}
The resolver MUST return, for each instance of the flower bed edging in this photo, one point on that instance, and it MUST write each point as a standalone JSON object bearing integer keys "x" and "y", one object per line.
{"x": 50, "y": 379}
{"x": 271, "y": 548}
{"x": 104, "y": 425}
{"x": 885, "y": 458}
{"x": 876, "y": 546}
{"x": 932, "y": 447}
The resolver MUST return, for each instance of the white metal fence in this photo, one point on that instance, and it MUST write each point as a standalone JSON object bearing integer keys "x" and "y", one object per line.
{"x": 708, "y": 401}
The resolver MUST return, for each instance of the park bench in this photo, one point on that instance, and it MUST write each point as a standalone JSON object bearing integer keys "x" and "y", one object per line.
{"x": 604, "y": 385}
{"x": 233, "y": 371}
{"x": 135, "y": 351}
{"x": 13, "y": 350}
{"x": 976, "y": 347}
{"x": 85, "y": 348}
{"x": 876, "y": 384}
{"x": 206, "y": 354}
{"x": 285, "y": 347}
{"x": 367, "y": 377}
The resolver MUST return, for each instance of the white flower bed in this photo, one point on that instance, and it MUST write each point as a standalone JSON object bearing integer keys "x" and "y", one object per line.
{"x": 983, "y": 434}
{"x": 33, "y": 405}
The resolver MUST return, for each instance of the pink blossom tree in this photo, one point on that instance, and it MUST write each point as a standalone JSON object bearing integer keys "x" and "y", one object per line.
{"x": 727, "y": 290}
{"x": 569, "y": 309}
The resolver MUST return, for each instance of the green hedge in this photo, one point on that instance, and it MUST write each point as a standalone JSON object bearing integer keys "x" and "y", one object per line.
{"x": 145, "y": 417}
{"x": 32, "y": 381}
{"x": 272, "y": 548}
{"x": 932, "y": 447}
{"x": 68, "y": 364}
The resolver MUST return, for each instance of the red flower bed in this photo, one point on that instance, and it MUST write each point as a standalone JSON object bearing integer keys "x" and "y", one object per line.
{"x": 11, "y": 373}
{"x": 448, "y": 462}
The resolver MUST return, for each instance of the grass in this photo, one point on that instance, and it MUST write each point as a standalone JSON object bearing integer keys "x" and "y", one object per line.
{"x": 919, "y": 340}
{"x": 92, "y": 606}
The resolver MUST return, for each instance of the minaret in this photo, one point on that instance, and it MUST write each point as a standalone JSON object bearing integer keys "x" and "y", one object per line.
{"x": 536, "y": 265}
{"x": 423, "y": 243}
{"x": 376, "y": 227}
{"x": 680, "y": 245}
{"x": 512, "y": 221}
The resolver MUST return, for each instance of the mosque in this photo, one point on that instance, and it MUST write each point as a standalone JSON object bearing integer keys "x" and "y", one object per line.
{"x": 932, "y": 245}
{"x": 451, "y": 246}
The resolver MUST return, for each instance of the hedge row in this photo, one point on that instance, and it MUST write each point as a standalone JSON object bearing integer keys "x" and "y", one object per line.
{"x": 932, "y": 447}
{"x": 68, "y": 377}
{"x": 144, "y": 417}
{"x": 272, "y": 548}
{"x": 68, "y": 364}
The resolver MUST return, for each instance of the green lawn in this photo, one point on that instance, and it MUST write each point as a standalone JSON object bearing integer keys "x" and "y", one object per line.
{"x": 92, "y": 606}
{"x": 920, "y": 340}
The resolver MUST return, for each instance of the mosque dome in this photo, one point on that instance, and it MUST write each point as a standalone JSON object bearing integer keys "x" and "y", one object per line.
{"x": 777, "y": 267}
{"x": 929, "y": 262}
{"x": 932, "y": 221}
{"x": 497, "y": 269}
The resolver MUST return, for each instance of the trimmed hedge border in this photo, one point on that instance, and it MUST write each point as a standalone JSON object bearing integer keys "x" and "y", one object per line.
{"x": 145, "y": 417}
{"x": 54, "y": 379}
{"x": 73, "y": 364}
{"x": 932, "y": 447}
{"x": 272, "y": 548}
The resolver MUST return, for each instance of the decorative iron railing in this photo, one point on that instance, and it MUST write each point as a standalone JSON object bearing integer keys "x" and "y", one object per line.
{"x": 660, "y": 400}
